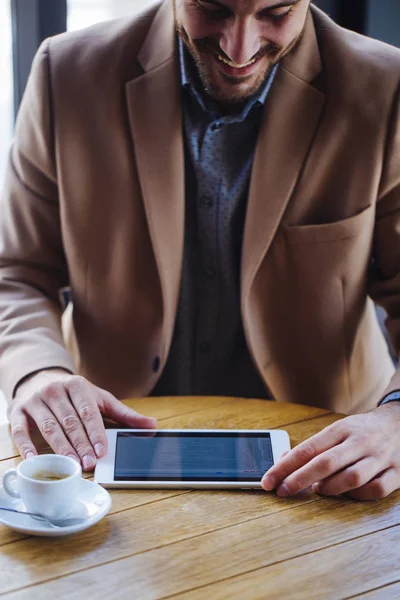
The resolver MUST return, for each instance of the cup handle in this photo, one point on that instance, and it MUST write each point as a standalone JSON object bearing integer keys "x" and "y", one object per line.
{"x": 10, "y": 475}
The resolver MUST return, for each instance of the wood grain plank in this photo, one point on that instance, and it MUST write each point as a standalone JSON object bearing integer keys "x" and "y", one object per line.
{"x": 333, "y": 573}
{"x": 168, "y": 407}
{"x": 134, "y": 531}
{"x": 195, "y": 540}
{"x": 254, "y": 414}
{"x": 164, "y": 407}
{"x": 389, "y": 592}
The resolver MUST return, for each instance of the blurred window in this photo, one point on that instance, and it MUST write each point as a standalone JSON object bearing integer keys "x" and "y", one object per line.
{"x": 82, "y": 13}
{"x": 6, "y": 95}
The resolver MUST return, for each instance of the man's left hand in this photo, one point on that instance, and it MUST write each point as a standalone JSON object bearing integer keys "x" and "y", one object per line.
{"x": 358, "y": 456}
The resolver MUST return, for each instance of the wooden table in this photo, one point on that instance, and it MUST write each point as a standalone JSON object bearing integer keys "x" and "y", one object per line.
{"x": 214, "y": 545}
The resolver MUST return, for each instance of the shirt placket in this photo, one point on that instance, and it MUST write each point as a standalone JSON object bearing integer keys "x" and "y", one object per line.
{"x": 208, "y": 206}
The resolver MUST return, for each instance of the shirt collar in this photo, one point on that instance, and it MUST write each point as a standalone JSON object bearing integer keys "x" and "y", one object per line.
{"x": 191, "y": 82}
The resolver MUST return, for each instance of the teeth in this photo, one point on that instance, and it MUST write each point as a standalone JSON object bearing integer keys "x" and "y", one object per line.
{"x": 234, "y": 65}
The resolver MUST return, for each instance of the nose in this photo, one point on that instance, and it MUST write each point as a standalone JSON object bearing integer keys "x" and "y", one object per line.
{"x": 240, "y": 40}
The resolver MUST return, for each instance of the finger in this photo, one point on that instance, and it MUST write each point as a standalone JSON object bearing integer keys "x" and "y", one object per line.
{"x": 50, "y": 428}
{"x": 350, "y": 478}
{"x": 380, "y": 487}
{"x": 20, "y": 434}
{"x": 301, "y": 455}
{"x": 322, "y": 467}
{"x": 89, "y": 438}
{"x": 120, "y": 413}
{"x": 59, "y": 402}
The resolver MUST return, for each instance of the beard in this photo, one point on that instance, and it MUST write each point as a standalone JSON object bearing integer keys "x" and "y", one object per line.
{"x": 226, "y": 89}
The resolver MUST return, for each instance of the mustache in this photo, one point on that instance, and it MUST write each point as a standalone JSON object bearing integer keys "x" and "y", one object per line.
{"x": 210, "y": 45}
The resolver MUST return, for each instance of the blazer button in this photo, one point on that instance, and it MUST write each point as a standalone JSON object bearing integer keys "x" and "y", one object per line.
{"x": 156, "y": 364}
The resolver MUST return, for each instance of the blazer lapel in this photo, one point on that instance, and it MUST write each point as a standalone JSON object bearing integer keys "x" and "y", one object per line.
{"x": 154, "y": 106}
{"x": 291, "y": 116}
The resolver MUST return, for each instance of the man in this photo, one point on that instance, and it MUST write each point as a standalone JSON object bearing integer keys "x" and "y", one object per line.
{"x": 218, "y": 181}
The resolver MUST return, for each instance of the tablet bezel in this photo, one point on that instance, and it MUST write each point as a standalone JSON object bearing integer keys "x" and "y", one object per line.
{"x": 104, "y": 471}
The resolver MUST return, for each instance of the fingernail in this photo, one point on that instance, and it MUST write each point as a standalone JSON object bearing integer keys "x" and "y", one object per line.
{"x": 283, "y": 491}
{"x": 29, "y": 455}
{"x": 316, "y": 488}
{"x": 99, "y": 449}
{"x": 268, "y": 483}
{"x": 88, "y": 462}
{"x": 153, "y": 421}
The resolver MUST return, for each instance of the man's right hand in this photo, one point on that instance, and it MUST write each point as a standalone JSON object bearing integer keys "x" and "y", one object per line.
{"x": 67, "y": 409}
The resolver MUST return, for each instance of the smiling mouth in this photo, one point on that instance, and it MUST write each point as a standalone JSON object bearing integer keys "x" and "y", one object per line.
{"x": 235, "y": 65}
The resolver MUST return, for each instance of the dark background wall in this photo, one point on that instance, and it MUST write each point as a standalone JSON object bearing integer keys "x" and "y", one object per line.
{"x": 376, "y": 18}
{"x": 383, "y": 20}
{"x": 32, "y": 22}
{"x": 331, "y": 7}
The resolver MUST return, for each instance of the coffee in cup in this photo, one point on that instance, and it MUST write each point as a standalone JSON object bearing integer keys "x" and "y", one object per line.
{"x": 48, "y": 484}
{"x": 49, "y": 476}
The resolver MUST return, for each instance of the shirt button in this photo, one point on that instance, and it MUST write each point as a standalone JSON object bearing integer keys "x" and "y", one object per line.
{"x": 205, "y": 347}
{"x": 216, "y": 126}
{"x": 209, "y": 272}
{"x": 207, "y": 201}
{"x": 156, "y": 364}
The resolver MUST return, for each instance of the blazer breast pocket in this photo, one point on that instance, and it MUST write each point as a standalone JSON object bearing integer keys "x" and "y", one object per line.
{"x": 335, "y": 231}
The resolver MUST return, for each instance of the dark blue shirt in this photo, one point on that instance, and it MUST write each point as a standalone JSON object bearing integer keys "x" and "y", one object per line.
{"x": 209, "y": 354}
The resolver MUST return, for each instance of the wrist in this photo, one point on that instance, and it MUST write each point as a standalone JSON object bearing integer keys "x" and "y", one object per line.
{"x": 391, "y": 412}
{"x": 40, "y": 377}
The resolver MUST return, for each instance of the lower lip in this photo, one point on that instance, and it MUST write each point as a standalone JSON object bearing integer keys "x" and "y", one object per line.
{"x": 234, "y": 72}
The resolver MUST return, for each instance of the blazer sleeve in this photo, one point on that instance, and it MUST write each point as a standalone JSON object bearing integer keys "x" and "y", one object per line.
{"x": 32, "y": 262}
{"x": 385, "y": 278}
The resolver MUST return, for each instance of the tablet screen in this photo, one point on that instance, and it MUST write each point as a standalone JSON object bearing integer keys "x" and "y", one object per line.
{"x": 192, "y": 456}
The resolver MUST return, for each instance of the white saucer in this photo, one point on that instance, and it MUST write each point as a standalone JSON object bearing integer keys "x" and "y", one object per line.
{"x": 94, "y": 502}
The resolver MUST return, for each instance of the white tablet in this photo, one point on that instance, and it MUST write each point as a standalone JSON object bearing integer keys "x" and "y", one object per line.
{"x": 189, "y": 458}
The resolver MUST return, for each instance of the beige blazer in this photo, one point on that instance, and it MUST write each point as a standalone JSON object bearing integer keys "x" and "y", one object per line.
{"x": 94, "y": 199}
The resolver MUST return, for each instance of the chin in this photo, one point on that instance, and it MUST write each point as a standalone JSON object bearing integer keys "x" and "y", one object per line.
{"x": 227, "y": 89}
{"x": 231, "y": 96}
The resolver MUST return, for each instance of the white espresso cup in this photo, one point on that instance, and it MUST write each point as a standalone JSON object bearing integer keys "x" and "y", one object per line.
{"x": 48, "y": 484}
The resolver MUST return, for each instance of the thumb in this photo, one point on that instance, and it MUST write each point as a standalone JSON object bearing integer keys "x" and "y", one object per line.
{"x": 120, "y": 413}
